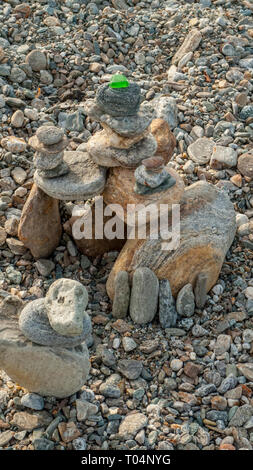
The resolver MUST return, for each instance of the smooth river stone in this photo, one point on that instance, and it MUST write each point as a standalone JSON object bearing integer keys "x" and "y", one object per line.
{"x": 103, "y": 154}
{"x": 65, "y": 302}
{"x": 47, "y": 149}
{"x": 84, "y": 180}
{"x": 144, "y": 296}
{"x": 150, "y": 178}
{"x": 119, "y": 101}
{"x": 34, "y": 324}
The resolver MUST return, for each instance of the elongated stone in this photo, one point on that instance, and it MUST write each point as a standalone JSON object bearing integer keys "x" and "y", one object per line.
{"x": 200, "y": 290}
{"x": 122, "y": 295}
{"x": 144, "y": 296}
{"x": 41, "y": 238}
{"x": 167, "y": 307}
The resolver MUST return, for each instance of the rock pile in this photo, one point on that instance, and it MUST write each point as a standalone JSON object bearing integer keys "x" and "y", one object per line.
{"x": 45, "y": 349}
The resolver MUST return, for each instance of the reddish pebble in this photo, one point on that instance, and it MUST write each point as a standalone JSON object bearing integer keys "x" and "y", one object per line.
{"x": 226, "y": 447}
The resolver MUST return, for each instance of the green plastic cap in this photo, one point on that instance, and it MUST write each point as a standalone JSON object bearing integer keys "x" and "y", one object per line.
{"x": 118, "y": 81}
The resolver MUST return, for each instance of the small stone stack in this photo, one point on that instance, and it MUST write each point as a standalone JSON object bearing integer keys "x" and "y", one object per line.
{"x": 49, "y": 143}
{"x": 44, "y": 349}
{"x": 151, "y": 176}
{"x": 125, "y": 140}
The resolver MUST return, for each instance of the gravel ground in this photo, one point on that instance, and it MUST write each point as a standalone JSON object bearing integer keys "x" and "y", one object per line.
{"x": 192, "y": 385}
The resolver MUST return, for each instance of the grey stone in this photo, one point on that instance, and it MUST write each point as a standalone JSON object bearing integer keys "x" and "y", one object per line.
{"x": 144, "y": 296}
{"x": 43, "y": 161}
{"x": 128, "y": 344}
{"x": 246, "y": 112}
{"x": 150, "y": 178}
{"x": 84, "y": 180}
{"x": 167, "y": 308}
{"x": 200, "y": 290}
{"x": 205, "y": 390}
{"x": 79, "y": 443}
{"x": 241, "y": 416}
{"x": 223, "y": 157}
{"x": 185, "y": 303}
{"x": 43, "y": 444}
{"x": 110, "y": 387}
{"x": 222, "y": 345}
{"x": 121, "y": 296}
{"x": 45, "y": 266}
{"x": 201, "y": 150}
{"x": 74, "y": 122}
{"x": 60, "y": 170}
{"x": 227, "y": 384}
{"x": 119, "y": 101}
{"x": 33, "y": 401}
{"x": 165, "y": 108}
{"x": 37, "y": 60}
{"x": 49, "y": 135}
{"x": 130, "y": 368}
{"x": 65, "y": 303}
{"x": 34, "y": 324}
{"x": 84, "y": 410}
{"x": 47, "y": 371}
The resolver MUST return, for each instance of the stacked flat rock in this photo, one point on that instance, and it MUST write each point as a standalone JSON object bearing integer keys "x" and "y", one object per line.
{"x": 125, "y": 140}
{"x": 151, "y": 176}
{"x": 59, "y": 319}
{"x": 49, "y": 143}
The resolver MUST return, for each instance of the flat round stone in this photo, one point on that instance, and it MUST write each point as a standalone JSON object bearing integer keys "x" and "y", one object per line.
{"x": 119, "y": 101}
{"x": 84, "y": 180}
{"x": 103, "y": 154}
{"x": 34, "y": 324}
{"x": 49, "y": 135}
{"x": 42, "y": 161}
{"x": 47, "y": 149}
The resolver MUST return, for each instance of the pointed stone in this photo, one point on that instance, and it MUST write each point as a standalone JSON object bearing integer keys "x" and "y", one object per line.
{"x": 167, "y": 308}
{"x": 200, "y": 290}
{"x": 44, "y": 236}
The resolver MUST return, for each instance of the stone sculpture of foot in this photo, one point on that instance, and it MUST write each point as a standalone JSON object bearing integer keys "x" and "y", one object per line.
{"x": 45, "y": 348}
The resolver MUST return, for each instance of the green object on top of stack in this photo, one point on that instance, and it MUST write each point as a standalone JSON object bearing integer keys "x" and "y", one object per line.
{"x": 118, "y": 81}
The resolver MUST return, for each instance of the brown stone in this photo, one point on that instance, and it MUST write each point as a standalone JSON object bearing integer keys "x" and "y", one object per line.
{"x": 68, "y": 431}
{"x": 207, "y": 229}
{"x": 166, "y": 141}
{"x": 40, "y": 224}
{"x": 219, "y": 403}
{"x": 120, "y": 184}
{"x": 245, "y": 164}
{"x": 93, "y": 247}
{"x": 30, "y": 421}
{"x": 192, "y": 370}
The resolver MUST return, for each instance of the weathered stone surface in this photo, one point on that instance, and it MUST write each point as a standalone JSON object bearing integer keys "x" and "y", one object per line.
{"x": 246, "y": 369}
{"x": 223, "y": 157}
{"x": 152, "y": 179}
{"x": 167, "y": 308}
{"x": 200, "y": 290}
{"x": 104, "y": 154}
{"x": 49, "y": 135}
{"x": 122, "y": 295}
{"x": 65, "y": 303}
{"x": 245, "y": 164}
{"x": 42, "y": 161}
{"x": 13, "y": 144}
{"x": 34, "y": 324}
{"x": 41, "y": 238}
{"x": 84, "y": 180}
{"x": 48, "y": 371}
{"x": 37, "y": 60}
{"x": 201, "y": 150}
{"x": 119, "y": 142}
{"x": 120, "y": 185}
{"x": 130, "y": 368}
{"x": 131, "y": 424}
{"x": 144, "y": 296}
{"x": 166, "y": 141}
{"x": 119, "y": 101}
{"x": 92, "y": 246}
{"x": 185, "y": 301}
{"x": 190, "y": 43}
{"x": 207, "y": 229}
{"x": 165, "y": 107}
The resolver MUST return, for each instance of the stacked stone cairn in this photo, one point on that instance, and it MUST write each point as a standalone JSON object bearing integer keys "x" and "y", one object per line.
{"x": 45, "y": 348}
{"x": 49, "y": 143}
